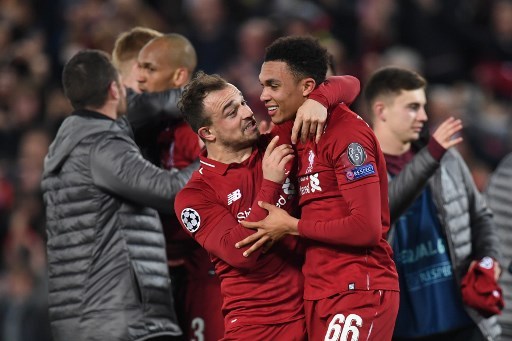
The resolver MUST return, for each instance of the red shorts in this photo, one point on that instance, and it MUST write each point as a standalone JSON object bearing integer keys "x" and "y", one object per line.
{"x": 203, "y": 310}
{"x": 353, "y": 315}
{"x": 291, "y": 331}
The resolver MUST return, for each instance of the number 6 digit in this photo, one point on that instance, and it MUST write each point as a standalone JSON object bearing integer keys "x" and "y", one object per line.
{"x": 351, "y": 323}
{"x": 334, "y": 328}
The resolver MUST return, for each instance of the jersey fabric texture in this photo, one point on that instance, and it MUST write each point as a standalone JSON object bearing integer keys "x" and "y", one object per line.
{"x": 353, "y": 315}
{"x": 263, "y": 288}
{"x": 201, "y": 301}
{"x": 342, "y": 184}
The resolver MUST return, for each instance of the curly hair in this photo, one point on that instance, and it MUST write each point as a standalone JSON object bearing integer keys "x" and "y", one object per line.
{"x": 303, "y": 54}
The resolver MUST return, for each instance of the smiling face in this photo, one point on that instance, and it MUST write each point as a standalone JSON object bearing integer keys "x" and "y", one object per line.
{"x": 233, "y": 126}
{"x": 282, "y": 93}
{"x": 405, "y": 115}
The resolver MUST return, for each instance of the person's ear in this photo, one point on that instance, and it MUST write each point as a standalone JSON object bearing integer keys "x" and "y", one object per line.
{"x": 308, "y": 85}
{"x": 114, "y": 90}
{"x": 180, "y": 77}
{"x": 206, "y": 134}
{"x": 379, "y": 111}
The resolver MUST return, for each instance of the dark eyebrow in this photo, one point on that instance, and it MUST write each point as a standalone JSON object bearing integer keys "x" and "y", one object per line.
{"x": 270, "y": 81}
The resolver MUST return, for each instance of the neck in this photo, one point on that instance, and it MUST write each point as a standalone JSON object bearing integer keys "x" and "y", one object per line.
{"x": 227, "y": 155}
{"x": 390, "y": 144}
{"x": 105, "y": 110}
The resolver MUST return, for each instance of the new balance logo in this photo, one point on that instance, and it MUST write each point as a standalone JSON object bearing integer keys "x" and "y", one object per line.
{"x": 232, "y": 197}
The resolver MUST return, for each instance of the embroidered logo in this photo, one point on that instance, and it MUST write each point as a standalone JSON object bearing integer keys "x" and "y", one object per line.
{"x": 360, "y": 172}
{"x": 234, "y": 196}
{"x": 311, "y": 160}
{"x": 356, "y": 154}
{"x": 190, "y": 219}
{"x": 314, "y": 182}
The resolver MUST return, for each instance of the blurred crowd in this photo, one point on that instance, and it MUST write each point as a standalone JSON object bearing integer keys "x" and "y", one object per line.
{"x": 462, "y": 47}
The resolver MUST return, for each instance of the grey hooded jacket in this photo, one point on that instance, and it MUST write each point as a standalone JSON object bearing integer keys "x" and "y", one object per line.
{"x": 463, "y": 214}
{"x": 108, "y": 277}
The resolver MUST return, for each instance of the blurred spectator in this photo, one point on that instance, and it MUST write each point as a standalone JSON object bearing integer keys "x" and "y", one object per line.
{"x": 244, "y": 67}
{"x": 211, "y": 32}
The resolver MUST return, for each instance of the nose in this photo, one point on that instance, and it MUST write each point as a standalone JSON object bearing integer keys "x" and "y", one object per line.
{"x": 422, "y": 115}
{"x": 264, "y": 97}
{"x": 247, "y": 112}
{"x": 141, "y": 75}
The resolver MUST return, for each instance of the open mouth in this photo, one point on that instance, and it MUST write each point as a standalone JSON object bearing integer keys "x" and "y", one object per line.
{"x": 272, "y": 110}
{"x": 250, "y": 126}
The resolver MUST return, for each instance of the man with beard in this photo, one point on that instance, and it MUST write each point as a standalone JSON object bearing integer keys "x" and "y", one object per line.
{"x": 108, "y": 277}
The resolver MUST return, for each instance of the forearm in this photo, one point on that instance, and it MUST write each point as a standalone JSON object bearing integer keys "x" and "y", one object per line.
{"x": 362, "y": 227}
{"x": 335, "y": 90}
{"x": 221, "y": 241}
{"x": 405, "y": 187}
{"x": 118, "y": 167}
{"x": 148, "y": 109}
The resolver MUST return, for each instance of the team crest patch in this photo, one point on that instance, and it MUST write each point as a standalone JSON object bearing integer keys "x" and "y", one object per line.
{"x": 356, "y": 154}
{"x": 360, "y": 172}
{"x": 191, "y": 219}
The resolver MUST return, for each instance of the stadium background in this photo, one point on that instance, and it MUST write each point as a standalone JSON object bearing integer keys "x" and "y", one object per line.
{"x": 462, "y": 47}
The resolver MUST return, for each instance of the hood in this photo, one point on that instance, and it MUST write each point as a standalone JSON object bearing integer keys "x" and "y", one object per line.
{"x": 73, "y": 130}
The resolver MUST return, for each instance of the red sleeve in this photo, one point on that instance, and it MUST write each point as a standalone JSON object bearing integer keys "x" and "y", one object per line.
{"x": 336, "y": 89}
{"x": 361, "y": 228}
{"x": 353, "y": 159}
{"x": 435, "y": 149}
{"x": 215, "y": 228}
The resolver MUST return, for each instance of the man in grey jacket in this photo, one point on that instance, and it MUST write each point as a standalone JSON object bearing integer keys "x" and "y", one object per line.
{"x": 500, "y": 201}
{"x": 108, "y": 278}
{"x": 446, "y": 228}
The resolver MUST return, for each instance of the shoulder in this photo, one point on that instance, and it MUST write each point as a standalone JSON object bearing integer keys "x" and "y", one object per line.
{"x": 196, "y": 189}
{"x": 345, "y": 128}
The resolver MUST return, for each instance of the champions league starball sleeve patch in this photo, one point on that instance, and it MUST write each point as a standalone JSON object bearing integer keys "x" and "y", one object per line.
{"x": 356, "y": 154}
{"x": 191, "y": 219}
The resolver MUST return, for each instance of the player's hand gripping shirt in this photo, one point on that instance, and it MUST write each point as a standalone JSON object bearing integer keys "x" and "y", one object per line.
{"x": 261, "y": 289}
{"x": 344, "y": 210}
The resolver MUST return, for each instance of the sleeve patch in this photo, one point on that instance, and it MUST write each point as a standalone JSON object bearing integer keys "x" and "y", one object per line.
{"x": 190, "y": 219}
{"x": 356, "y": 154}
{"x": 360, "y": 172}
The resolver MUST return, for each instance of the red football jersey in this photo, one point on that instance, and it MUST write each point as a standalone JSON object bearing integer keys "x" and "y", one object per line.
{"x": 263, "y": 288}
{"x": 344, "y": 210}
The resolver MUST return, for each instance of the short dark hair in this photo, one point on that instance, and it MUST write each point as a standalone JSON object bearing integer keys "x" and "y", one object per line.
{"x": 303, "y": 54}
{"x": 191, "y": 102}
{"x": 391, "y": 80}
{"x": 86, "y": 78}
